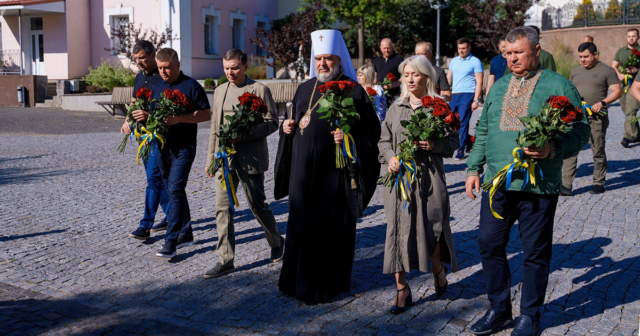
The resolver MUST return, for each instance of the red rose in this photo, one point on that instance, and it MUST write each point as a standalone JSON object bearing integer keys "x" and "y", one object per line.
{"x": 634, "y": 50}
{"x": 247, "y": 99}
{"x": 332, "y": 86}
{"x": 453, "y": 120}
{"x": 259, "y": 105}
{"x": 428, "y": 101}
{"x": 342, "y": 85}
{"x": 572, "y": 116}
{"x": 143, "y": 93}
{"x": 391, "y": 77}
{"x": 371, "y": 91}
{"x": 346, "y": 85}
{"x": 560, "y": 102}
{"x": 323, "y": 88}
{"x": 473, "y": 139}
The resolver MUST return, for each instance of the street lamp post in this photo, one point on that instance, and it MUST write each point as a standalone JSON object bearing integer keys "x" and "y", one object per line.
{"x": 438, "y": 5}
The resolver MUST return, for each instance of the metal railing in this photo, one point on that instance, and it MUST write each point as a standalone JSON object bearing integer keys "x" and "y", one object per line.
{"x": 599, "y": 13}
{"x": 10, "y": 61}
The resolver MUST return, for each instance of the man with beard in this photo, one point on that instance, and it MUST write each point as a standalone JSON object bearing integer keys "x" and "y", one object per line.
{"x": 324, "y": 201}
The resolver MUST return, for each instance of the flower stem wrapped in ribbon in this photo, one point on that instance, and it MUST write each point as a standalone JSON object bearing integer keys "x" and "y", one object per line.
{"x": 339, "y": 109}
{"x": 428, "y": 122}
{"x": 170, "y": 103}
{"x": 143, "y": 102}
{"x": 554, "y": 119}
{"x": 588, "y": 108}
{"x": 632, "y": 62}
{"x": 372, "y": 94}
{"x": 250, "y": 111}
{"x": 388, "y": 80}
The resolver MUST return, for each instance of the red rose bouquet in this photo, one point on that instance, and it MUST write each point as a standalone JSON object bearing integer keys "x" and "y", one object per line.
{"x": 428, "y": 122}
{"x": 171, "y": 103}
{"x": 554, "y": 119}
{"x": 372, "y": 93}
{"x": 250, "y": 111}
{"x": 338, "y": 108}
{"x": 388, "y": 80}
{"x": 632, "y": 62}
{"x": 143, "y": 102}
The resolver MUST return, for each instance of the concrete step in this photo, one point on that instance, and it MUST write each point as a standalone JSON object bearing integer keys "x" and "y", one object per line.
{"x": 48, "y": 102}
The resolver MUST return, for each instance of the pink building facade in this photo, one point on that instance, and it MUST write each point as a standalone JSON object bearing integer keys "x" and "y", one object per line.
{"x": 61, "y": 39}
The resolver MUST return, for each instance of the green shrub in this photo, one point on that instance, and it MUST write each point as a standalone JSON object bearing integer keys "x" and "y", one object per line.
{"x": 107, "y": 76}
{"x": 209, "y": 83}
{"x": 222, "y": 80}
{"x": 566, "y": 60}
{"x": 257, "y": 68}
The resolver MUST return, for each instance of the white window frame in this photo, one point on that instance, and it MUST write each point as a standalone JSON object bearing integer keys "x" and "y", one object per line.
{"x": 211, "y": 12}
{"x": 110, "y": 14}
{"x": 242, "y": 17}
{"x": 264, "y": 19}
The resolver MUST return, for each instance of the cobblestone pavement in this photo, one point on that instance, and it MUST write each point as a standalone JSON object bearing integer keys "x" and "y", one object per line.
{"x": 67, "y": 265}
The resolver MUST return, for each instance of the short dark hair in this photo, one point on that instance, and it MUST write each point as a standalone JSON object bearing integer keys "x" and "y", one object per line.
{"x": 588, "y": 46}
{"x": 502, "y": 38}
{"x": 144, "y": 45}
{"x": 633, "y": 29}
{"x": 527, "y": 33}
{"x": 235, "y": 54}
{"x": 464, "y": 40}
{"x": 536, "y": 28}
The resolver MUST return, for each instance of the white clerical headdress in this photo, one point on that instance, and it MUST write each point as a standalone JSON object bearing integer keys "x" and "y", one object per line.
{"x": 329, "y": 41}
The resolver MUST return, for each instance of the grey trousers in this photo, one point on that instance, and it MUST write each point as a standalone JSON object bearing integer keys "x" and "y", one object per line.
{"x": 253, "y": 186}
{"x": 629, "y": 106}
{"x": 597, "y": 142}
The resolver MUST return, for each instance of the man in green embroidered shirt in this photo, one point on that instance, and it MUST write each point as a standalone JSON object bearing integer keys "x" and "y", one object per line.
{"x": 516, "y": 95}
{"x": 629, "y": 105}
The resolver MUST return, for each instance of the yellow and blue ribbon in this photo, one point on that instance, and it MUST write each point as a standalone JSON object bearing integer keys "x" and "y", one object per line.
{"x": 349, "y": 148}
{"x": 406, "y": 176}
{"x": 520, "y": 163}
{"x": 222, "y": 157}
{"x": 626, "y": 82}
{"x": 587, "y": 107}
{"x": 147, "y": 138}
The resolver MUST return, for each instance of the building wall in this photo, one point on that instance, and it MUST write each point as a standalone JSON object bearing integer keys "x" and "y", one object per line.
{"x": 210, "y": 66}
{"x": 56, "y": 58}
{"x": 79, "y": 39}
{"x": 608, "y": 39}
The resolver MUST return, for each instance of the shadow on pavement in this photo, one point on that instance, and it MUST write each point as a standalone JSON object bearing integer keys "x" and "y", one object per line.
{"x": 8, "y": 238}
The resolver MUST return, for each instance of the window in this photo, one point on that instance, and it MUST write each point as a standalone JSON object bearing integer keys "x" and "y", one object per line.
{"x": 210, "y": 35}
{"x": 119, "y": 33}
{"x": 36, "y": 23}
{"x": 238, "y": 37}
{"x": 260, "y": 51}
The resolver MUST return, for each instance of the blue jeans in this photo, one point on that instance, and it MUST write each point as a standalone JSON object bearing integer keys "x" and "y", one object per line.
{"x": 461, "y": 103}
{"x": 535, "y": 214}
{"x": 155, "y": 194}
{"x": 175, "y": 164}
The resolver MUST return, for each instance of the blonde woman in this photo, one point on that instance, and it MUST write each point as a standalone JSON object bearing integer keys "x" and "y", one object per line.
{"x": 418, "y": 237}
{"x": 366, "y": 78}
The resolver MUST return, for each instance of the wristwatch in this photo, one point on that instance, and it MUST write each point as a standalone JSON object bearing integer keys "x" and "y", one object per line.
{"x": 603, "y": 103}
{"x": 477, "y": 101}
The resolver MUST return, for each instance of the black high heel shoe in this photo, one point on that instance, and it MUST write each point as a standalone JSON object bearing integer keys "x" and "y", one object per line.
{"x": 395, "y": 310}
{"x": 436, "y": 279}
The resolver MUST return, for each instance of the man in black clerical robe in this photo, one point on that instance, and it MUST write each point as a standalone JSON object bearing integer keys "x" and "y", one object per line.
{"x": 323, "y": 207}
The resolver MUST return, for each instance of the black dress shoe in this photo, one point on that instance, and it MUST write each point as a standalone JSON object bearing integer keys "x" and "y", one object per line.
{"x": 218, "y": 270}
{"x": 596, "y": 189}
{"x": 566, "y": 191}
{"x": 277, "y": 253}
{"x": 625, "y": 142}
{"x": 525, "y": 326}
{"x": 491, "y": 322}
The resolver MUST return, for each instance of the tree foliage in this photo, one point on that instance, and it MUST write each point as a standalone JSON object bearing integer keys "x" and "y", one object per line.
{"x": 492, "y": 19}
{"x": 282, "y": 40}
{"x": 614, "y": 10}
{"x": 585, "y": 10}
{"x": 127, "y": 35}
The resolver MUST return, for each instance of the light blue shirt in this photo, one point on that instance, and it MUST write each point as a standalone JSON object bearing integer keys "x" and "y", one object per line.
{"x": 464, "y": 73}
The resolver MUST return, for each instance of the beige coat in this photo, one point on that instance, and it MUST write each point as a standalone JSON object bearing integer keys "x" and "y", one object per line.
{"x": 252, "y": 153}
{"x": 412, "y": 234}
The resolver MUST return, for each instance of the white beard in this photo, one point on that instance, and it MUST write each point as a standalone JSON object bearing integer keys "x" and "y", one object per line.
{"x": 327, "y": 77}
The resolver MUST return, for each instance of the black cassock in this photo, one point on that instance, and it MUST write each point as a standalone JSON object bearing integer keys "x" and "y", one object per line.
{"x": 323, "y": 207}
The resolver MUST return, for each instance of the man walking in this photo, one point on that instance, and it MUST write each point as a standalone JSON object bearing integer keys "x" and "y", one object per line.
{"x": 442, "y": 84}
{"x": 519, "y": 94}
{"x": 385, "y": 64}
{"x": 179, "y": 149}
{"x": 629, "y": 105}
{"x": 593, "y": 81}
{"x": 145, "y": 56}
{"x": 498, "y": 65}
{"x": 465, "y": 74}
{"x": 247, "y": 166}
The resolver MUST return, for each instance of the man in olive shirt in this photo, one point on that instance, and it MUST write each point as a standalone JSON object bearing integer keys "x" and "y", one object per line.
{"x": 593, "y": 81}
{"x": 442, "y": 84}
{"x": 629, "y": 105}
{"x": 546, "y": 59}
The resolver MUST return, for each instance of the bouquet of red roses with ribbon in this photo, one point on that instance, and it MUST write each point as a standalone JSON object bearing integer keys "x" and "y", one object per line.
{"x": 554, "y": 119}
{"x": 428, "y": 122}
{"x": 250, "y": 111}
{"x": 388, "y": 80}
{"x": 632, "y": 62}
{"x": 143, "y": 102}
{"x": 171, "y": 103}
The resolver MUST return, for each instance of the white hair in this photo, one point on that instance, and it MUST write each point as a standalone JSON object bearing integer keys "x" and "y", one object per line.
{"x": 421, "y": 65}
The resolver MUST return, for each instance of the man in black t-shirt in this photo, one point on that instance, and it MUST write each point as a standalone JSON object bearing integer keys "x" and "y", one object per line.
{"x": 145, "y": 56}
{"x": 388, "y": 63}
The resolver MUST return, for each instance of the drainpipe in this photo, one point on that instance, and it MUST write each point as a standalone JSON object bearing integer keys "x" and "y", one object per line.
{"x": 20, "y": 37}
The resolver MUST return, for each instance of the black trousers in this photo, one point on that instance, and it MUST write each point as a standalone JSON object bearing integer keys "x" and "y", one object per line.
{"x": 535, "y": 214}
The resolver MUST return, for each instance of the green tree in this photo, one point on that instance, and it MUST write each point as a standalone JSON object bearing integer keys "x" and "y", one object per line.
{"x": 585, "y": 7}
{"x": 614, "y": 10}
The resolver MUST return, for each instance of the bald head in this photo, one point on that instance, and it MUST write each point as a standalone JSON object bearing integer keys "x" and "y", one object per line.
{"x": 386, "y": 47}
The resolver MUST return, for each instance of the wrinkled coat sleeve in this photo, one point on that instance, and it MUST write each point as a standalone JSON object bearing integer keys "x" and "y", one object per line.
{"x": 215, "y": 124}
{"x": 282, "y": 168}
{"x": 385, "y": 145}
{"x": 477, "y": 157}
